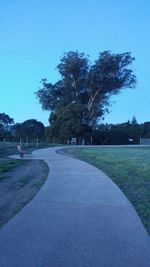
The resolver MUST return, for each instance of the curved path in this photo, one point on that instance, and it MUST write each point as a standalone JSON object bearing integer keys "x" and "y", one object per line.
{"x": 79, "y": 218}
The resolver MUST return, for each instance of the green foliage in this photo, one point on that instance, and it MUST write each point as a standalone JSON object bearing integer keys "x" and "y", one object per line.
{"x": 145, "y": 131}
{"x": 67, "y": 122}
{"x": 85, "y": 85}
{"x": 5, "y": 122}
{"x": 118, "y": 134}
{"x": 30, "y": 129}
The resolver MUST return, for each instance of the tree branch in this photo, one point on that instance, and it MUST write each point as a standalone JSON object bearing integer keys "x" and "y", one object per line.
{"x": 92, "y": 99}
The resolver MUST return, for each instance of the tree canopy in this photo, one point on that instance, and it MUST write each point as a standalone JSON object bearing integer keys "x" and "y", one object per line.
{"x": 85, "y": 87}
{"x": 5, "y": 122}
{"x": 30, "y": 129}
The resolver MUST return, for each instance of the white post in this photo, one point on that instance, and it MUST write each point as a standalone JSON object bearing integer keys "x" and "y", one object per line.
{"x": 20, "y": 142}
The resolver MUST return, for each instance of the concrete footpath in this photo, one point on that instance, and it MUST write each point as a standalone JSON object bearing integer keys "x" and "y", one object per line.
{"x": 79, "y": 218}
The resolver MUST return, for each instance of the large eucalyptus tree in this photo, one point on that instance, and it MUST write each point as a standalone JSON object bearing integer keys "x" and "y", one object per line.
{"x": 85, "y": 87}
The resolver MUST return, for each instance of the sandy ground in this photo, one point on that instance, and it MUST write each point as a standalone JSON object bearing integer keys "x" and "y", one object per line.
{"x": 19, "y": 186}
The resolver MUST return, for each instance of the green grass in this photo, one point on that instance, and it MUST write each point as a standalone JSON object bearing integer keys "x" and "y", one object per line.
{"x": 9, "y": 164}
{"x": 128, "y": 167}
{"x": 24, "y": 180}
{"x": 38, "y": 185}
{"x": 10, "y": 148}
{"x": 17, "y": 190}
{"x": 19, "y": 185}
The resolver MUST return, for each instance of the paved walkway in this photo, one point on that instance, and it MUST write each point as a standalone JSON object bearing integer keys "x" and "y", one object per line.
{"x": 79, "y": 218}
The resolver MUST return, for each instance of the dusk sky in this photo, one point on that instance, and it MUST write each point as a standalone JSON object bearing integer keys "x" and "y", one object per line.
{"x": 34, "y": 34}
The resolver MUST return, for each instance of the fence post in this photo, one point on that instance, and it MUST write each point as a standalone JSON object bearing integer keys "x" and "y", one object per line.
{"x": 37, "y": 142}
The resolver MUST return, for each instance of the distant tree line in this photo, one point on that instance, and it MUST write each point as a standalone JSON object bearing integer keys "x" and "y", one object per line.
{"x": 28, "y": 130}
{"x": 125, "y": 133}
{"x": 128, "y": 132}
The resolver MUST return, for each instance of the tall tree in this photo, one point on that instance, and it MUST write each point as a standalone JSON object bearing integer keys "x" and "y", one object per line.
{"x": 86, "y": 84}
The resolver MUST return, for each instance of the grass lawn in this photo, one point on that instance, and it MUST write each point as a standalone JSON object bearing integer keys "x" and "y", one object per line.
{"x": 128, "y": 167}
{"x": 9, "y": 164}
{"x": 10, "y": 148}
{"x": 20, "y": 180}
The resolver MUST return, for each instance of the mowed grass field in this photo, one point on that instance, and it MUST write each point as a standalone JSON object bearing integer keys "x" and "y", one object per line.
{"x": 128, "y": 167}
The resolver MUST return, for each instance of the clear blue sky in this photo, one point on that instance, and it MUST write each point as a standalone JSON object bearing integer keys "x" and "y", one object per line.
{"x": 34, "y": 34}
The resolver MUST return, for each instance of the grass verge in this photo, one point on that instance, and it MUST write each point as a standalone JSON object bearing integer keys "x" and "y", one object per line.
{"x": 9, "y": 164}
{"x": 128, "y": 167}
{"x": 20, "y": 180}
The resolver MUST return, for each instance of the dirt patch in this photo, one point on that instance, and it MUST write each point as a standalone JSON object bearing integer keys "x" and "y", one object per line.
{"x": 19, "y": 186}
